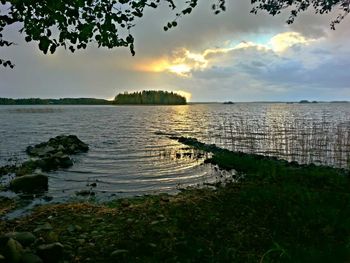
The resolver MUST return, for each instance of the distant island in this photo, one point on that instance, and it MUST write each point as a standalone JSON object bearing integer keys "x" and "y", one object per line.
{"x": 306, "y": 101}
{"x": 150, "y": 97}
{"x": 228, "y": 102}
{"x": 64, "y": 101}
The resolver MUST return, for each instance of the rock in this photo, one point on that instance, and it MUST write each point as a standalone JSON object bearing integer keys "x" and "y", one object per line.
{"x": 25, "y": 238}
{"x": 51, "y": 252}
{"x": 73, "y": 148}
{"x": 27, "y": 167}
{"x": 125, "y": 203}
{"x": 43, "y": 227}
{"x": 2, "y": 259}
{"x": 13, "y": 251}
{"x": 72, "y": 228}
{"x": 30, "y": 150}
{"x": 39, "y": 241}
{"x": 48, "y": 198}
{"x": 81, "y": 241}
{"x": 48, "y": 164}
{"x": 164, "y": 198}
{"x": 65, "y": 144}
{"x": 51, "y": 155}
{"x": 118, "y": 252}
{"x": 54, "y": 162}
{"x": 45, "y": 151}
{"x": 52, "y": 237}
{"x": 3, "y": 241}
{"x": 30, "y": 183}
{"x": 58, "y": 154}
{"x": 7, "y": 169}
{"x": 61, "y": 148}
{"x": 40, "y": 150}
{"x": 85, "y": 193}
{"x": 30, "y": 258}
{"x": 65, "y": 161}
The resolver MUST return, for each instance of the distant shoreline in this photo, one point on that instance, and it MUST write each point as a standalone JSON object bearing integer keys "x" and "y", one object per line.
{"x": 95, "y": 101}
{"x": 48, "y": 102}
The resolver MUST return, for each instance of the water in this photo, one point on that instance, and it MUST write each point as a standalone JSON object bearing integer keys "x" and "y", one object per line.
{"x": 128, "y": 156}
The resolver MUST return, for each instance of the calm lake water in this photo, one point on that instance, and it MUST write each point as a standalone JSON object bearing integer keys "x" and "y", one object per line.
{"x": 131, "y": 154}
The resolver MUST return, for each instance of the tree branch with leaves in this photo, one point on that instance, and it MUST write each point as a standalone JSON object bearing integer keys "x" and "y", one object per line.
{"x": 73, "y": 24}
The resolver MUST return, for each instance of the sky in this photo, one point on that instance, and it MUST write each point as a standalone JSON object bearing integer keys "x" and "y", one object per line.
{"x": 234, "y": 56}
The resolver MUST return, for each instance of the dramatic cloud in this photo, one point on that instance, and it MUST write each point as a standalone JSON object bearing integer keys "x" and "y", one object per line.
{"x": 234, "y": 56}
{"x": 183, "y": 62}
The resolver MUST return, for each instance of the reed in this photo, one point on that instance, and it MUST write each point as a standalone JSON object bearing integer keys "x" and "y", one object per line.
{"x": 319, "y": 141}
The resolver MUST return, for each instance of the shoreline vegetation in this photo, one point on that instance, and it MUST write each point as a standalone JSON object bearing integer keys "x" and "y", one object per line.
{"x": 63, "y": 101}
{"x": 146, "y": 97}
{"x": 130, "y": 101}
{"x": 150, "y": 97}
{"x": 271, "y": 211}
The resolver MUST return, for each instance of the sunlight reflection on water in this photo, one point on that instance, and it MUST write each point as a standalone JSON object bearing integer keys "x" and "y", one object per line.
{"x": 128, "y": 156}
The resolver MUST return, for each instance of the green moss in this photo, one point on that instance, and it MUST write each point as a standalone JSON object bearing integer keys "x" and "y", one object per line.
{"x": 6, "y": 205}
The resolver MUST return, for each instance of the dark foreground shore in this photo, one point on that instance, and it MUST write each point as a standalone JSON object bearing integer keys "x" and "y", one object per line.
{"x": 272, "y": 211}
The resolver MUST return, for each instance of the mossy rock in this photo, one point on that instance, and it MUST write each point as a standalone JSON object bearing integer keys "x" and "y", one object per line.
{"x": 30, "y": 183}
{"x": 66, "y": 144}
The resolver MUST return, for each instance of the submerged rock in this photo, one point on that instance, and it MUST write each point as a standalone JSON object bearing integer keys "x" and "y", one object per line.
{"x": 85, "y": 193}
{"x": 30, "y": 183}
{"x": 65, "y": 144}
{"x": 7, "y": 169}
{"x": 52, "y": 154}
{"x": 47, "y": 156}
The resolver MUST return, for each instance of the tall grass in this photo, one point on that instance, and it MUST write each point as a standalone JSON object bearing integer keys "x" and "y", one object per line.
{"x": 319, "y": 141}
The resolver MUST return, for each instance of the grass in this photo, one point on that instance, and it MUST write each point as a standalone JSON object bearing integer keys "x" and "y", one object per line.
{"x": 299, "y": 139}
{"x": 275, "y": 212}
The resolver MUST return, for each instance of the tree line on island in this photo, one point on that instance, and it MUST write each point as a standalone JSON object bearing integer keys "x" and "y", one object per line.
{"x": 155, "y": 97}
{"x": 149, "y": 97}
{"x": 64, "y": 101}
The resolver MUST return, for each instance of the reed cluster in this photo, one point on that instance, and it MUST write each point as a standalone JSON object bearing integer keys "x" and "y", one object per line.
{"x": 319, "y": 141}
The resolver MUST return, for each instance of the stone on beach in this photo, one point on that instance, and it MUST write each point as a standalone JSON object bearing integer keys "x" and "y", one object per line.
{"x": 30, "y": 183}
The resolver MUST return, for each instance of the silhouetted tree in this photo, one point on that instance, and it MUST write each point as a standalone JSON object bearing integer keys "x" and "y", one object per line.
{"x": 64, "y": 101}
{"x": 151, "y": 97}
{"x": 73, "y": 24}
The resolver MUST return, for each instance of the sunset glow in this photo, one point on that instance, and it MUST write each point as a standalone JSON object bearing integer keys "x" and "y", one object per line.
{"x": 235, "y": 56}
{"x": 181, "y": 69}
{"x": 182, "y": 62}
{"x": 185, "y": 94}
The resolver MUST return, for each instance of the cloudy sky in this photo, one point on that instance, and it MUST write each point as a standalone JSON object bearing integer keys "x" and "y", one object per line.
{"x": 232, "y": 56}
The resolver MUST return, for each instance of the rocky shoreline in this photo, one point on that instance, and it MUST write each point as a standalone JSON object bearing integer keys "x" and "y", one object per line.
{"x": 25, "y": 247}
{"x": 44, "y": 157}
{"x": 276, "y": 211}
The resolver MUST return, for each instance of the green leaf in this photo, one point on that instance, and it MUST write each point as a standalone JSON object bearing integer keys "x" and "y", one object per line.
{"x": 44, "y": 44}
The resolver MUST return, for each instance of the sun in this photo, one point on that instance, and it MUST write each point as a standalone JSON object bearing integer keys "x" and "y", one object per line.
{"x": 180, "y": 69}
{"x": 165, "y": 65}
